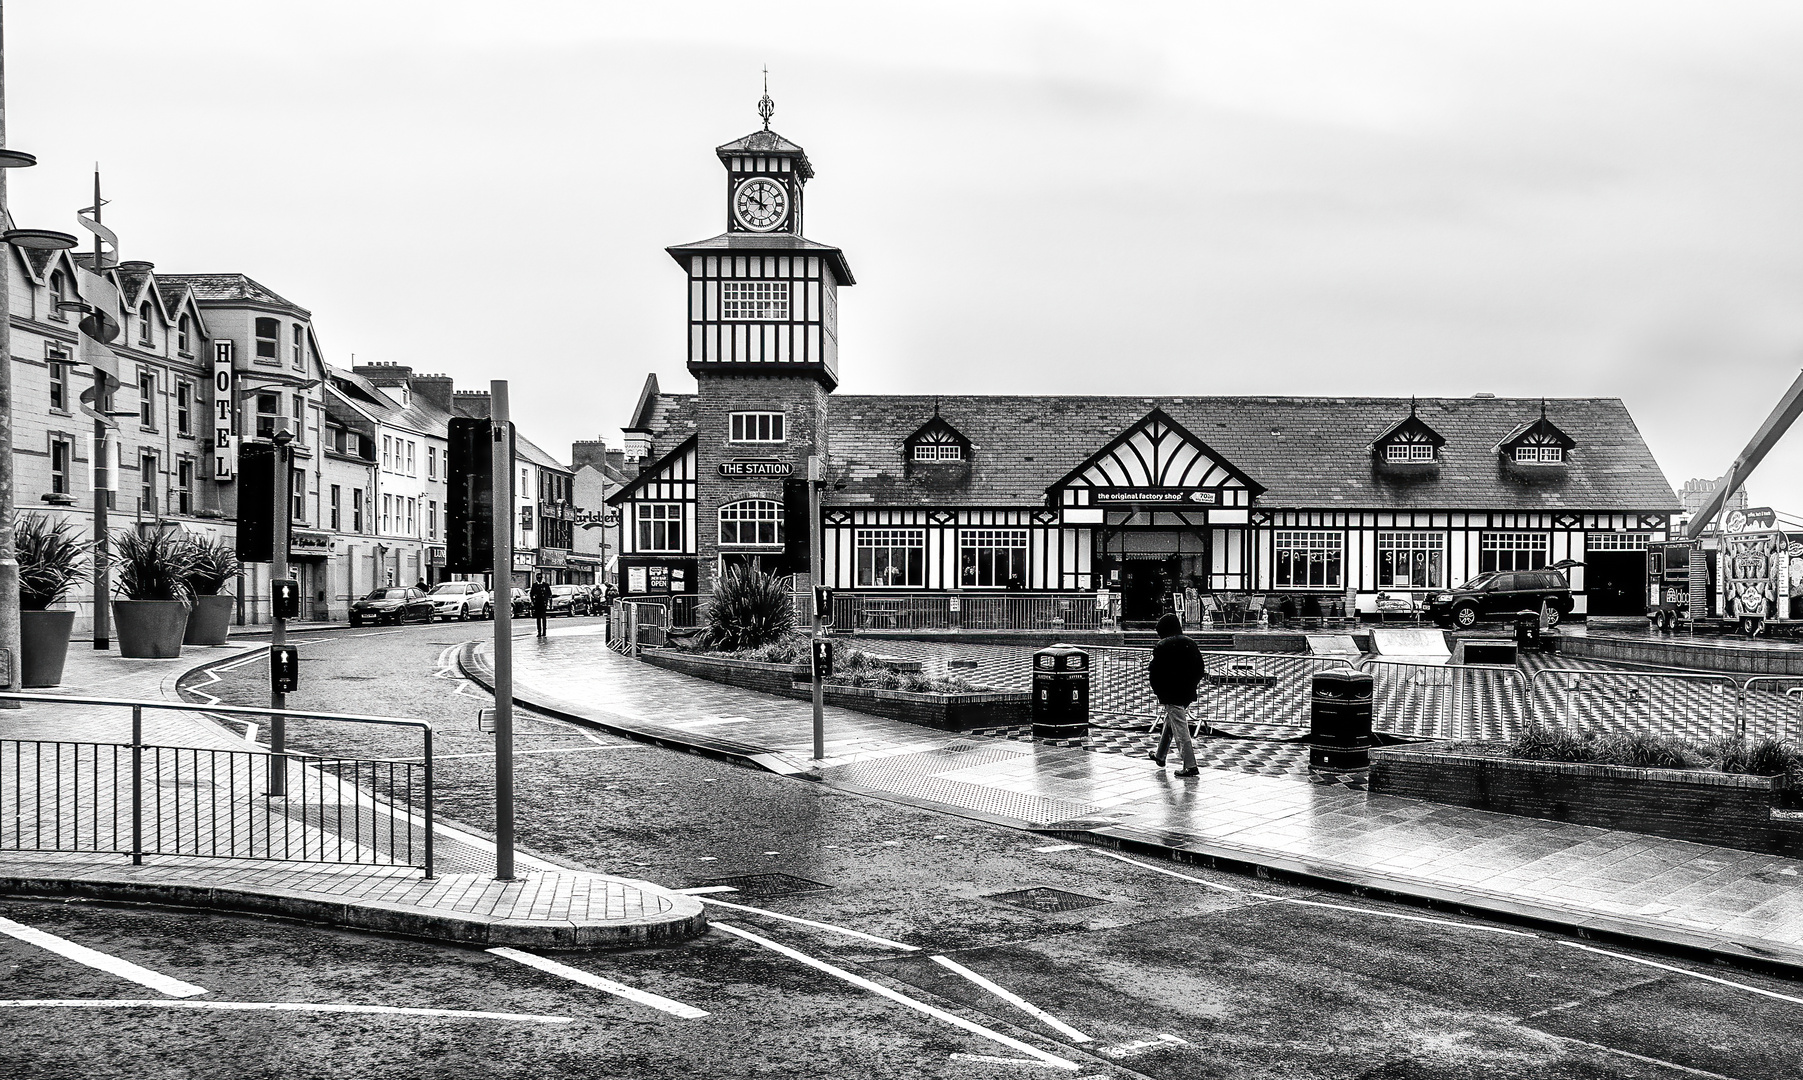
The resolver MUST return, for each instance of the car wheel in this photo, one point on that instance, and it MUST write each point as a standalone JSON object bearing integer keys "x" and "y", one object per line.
{"x": 1464, "y": 616}
{"x": 463, "y": 613}
{"x": 355, "y": 622}
{"x": 1553, "y": 616}
{"x": 488, "y": 611}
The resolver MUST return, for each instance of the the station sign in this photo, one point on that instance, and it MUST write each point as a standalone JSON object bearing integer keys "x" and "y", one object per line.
{"x": 1166, "y": 496}
{"x": 756, "y": 469}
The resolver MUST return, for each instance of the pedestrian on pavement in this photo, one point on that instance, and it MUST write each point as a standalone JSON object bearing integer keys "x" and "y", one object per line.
{"x": 1175, "y": 670}
{"x": 541, "y": 602}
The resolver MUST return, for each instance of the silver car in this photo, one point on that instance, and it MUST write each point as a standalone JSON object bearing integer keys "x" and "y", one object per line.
{"x": 458, "y": 600}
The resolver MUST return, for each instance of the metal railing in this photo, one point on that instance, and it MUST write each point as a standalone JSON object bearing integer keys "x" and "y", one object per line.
{"x": 1447, "y": 701}
{"x": 633, "y": 624}
{"x": 882, "y": 610}
{"x": 1237, "y": 687}
{"x": 141, "y": 799}
{"x": 1771, "y": 706}
{"x": 1697, "y": 706}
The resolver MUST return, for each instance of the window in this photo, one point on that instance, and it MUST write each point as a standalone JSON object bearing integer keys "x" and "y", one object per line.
{"x": 59, "y": 382}
{"x": 59, "y": 293}
{"x": 891, "y": 558}
{"x": 388, "y": 453}
{"x": 184, "y": 486}
{"x": 1308, "y": 560}
{"x": 526, "y": 517}
{"x": 660, "y": 526}
{"x": 410, "y": 468}
{"x": 991, "y": 558}
{"x": 145, "y": 337}
{"x": 269, "y": 410}
{"x": 412, "y": 517}
{"x": 754, "y": 521}
{"x": 147, "y": 398}
{"x": 431, "y": 462}
{"x": 938, "y": 452}
{"x": 299, "y": 339}
{"x": 147, "y": 483}
{"x": 356, "y": 509}
{"x": 269, "y": 335}
{"x": 1511, "y": 551}
{"x": 1411, "y": 560}
{"x": 757, "y": 427}
{"x": 184, "y": 407}
{"x": 1541, "y": 455}
{"x": 1409, "y": 451}
{"x": 297, "y": 491}
{"x": 754, "y": 300}
{"x": 334, "y": 501}
{"x": 431, "y": 519}
{"x": 1617, "y": 541}
{"x": 62, "y": 453}
{"x": 387, "y": 511}
{"x": 184, "y": 336}
{"x": 300, "y": 420}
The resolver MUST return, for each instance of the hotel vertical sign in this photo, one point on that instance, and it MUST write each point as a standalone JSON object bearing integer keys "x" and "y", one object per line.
{"x": 225, "y": 446}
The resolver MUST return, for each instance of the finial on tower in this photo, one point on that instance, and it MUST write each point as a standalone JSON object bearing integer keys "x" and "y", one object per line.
{"x": 766, "y": 107}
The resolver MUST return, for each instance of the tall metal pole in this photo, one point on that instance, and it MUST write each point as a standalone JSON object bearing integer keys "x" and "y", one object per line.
{"x": 9, "y": 558}
{"x": 278, "y": 624}
{"x": 814, "y": 564}
{"x": 102, "y": 475}
{"x": 503, "y": 599}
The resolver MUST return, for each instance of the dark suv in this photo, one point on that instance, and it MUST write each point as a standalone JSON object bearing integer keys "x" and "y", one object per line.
{"x": 1502, "y": 594}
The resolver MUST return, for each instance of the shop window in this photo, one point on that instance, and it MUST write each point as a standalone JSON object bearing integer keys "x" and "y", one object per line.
{"x": 757, "y": 427}
{"x": 147, "y": 398}
{"x": 752, "y": 522}
{"x": 62, "y": 455}
{"x": 184, "y": 336}
{"x": 184, "y": 486}
{"x": 659, "y": 526}
{"x": 991, "y": 558}
{"x": 1511, "y": 551}
{"x": 184, "y": 407}
{"x": 938, "y": 452}
{"x": 754, "y": 301}
{"x": 1308, "y": 559}
{"x": 1411, "y": 560}
{"x": 891, "y": 558}
{"x": 1402, "y": 452}
{"x": 269, "y": 339}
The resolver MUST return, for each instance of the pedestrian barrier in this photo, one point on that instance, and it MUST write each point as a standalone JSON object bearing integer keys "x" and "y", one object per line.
{"x": 1446, "y": 701}
{"x": 1693, "y": 706}
{"x": 1771, "y": 706}
{"x": 1237, "y": 687}
{"x": 139, "y": 799}
{"x": 633, "y": 624}
{"x": 885, "y": 610}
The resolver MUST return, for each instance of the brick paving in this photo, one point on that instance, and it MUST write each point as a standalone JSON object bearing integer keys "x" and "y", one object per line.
{"x": 1647, "y": 887}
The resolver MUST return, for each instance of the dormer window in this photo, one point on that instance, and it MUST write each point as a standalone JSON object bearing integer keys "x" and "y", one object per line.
{"x": 938, "y": 452}
{"x": 936, "y": 442}
{"x": 1404, "y": 453}
{"x": 1537, "y": 443}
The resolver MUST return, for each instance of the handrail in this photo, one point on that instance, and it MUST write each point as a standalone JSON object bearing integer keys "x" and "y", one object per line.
{"x": 195, "y": 706}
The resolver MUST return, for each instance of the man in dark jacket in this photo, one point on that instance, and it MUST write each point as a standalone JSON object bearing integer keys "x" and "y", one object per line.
{"x": 541, "y": 602}
{"x": 1175, "y": 670}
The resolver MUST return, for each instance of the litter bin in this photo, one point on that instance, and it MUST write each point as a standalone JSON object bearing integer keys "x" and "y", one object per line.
{"x": 1527, "y": 630}
{"x": 1339, "y": 727}
{"x": 1060, "y": 693}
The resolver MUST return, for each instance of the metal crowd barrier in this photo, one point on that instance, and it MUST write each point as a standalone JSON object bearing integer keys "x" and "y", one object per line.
{"x": 1771, "y": 706}
{"x": 1696, "y": 706}
{"x": 864, "y": 611}
{"x": 1237, "y": 687}
{"x": 139, "y": 799}
{"x": 1446, "y": 701}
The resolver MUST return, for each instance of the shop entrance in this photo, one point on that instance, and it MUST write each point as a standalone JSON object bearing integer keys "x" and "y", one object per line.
{"x": 1146, "y": 588}
{"x": 1615, "y": 582}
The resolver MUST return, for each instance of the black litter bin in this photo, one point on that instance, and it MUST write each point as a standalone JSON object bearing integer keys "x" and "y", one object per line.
{"x": 1060, "y": 693}
{"x": 1527, "y": 630}
{"x": 1339, "y": 731}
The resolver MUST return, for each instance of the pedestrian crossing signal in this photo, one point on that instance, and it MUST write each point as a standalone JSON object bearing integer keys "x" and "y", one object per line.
{"x": 470, "y": 509}
{"x": 285, "y": 595}
{"x": 284, "y": 668}
{"x": 823, "y": 659}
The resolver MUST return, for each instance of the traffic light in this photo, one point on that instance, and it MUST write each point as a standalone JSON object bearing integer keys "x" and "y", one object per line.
{"x": 284, "y": 669}
{"x": 470, "y": 509}
{"x": 256, "y": 502}
{"x": 285, "y": 595}
{"x": 796, "y": 528}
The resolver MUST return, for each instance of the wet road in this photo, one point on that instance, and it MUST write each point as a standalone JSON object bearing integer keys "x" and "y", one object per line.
{"x": 1166, "y": 971}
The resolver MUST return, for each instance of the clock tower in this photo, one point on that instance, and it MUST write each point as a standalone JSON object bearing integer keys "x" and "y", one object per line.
{"x": 763, "y": 344}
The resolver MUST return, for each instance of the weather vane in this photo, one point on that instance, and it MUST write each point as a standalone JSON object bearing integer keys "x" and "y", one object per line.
{"x": 766, "y": 107}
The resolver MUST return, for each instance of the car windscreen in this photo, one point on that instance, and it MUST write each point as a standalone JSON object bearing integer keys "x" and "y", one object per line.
{"x": 453, "y": 588}
{"x": 1482, "y": 582}
{"x": 387, "y": 594}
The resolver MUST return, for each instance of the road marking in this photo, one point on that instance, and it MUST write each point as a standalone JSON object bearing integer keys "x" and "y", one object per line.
{"x": 577, "y": 975}
{"x": 385, "y": 633}
{"x": 1013, "y": 999}
{"x": 271, "y": 1006}
{"x": 93, "y": 958}
{"x": 1166, "y": 873}
{"x": 1047, "y": 849}
{"x": 558, "y": 750}
{"x": 702, "y": 890}
{"x": 1642, "y": 1058}
{"x": 1681, "y": 971}
{"x": 991, "y": 1059}
{"x": 902, "y": 999}
{"x": 1164, "y": 1039}
{"x": 809, "y": 922}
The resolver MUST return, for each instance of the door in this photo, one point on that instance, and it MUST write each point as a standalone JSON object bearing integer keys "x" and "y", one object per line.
{"x": 1615, "y": 582}
{"x": 1143, "y": 588}
{"x": 1504, "y": 596}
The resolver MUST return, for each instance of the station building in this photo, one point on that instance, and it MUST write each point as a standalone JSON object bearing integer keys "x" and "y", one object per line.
{"x": 1340, "y": 503}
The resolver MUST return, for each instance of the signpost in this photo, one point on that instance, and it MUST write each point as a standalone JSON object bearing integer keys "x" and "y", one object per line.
{"x": 503, "y": 593}
{"x": 814, "y": 478}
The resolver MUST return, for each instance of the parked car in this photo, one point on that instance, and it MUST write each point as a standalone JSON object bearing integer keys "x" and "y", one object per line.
{"x": 569, "y": 600}
{"x": 522, "y": 605}
{"x": 392, "y": 605}
{"x": 1502, "y": 594}
{"x": 458, "y": 600}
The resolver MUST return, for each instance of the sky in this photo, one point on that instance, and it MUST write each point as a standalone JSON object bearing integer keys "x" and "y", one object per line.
{"x": 1263, "y": 197}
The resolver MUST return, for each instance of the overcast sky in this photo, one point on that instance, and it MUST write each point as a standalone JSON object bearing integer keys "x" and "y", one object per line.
{"x": 1262, "y": 197}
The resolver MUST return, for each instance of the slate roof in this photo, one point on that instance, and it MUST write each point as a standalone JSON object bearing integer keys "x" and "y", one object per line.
{"x": 384, "y": 402}
{"x": 768, "y": 142}
{"x": 764, "y": 244}
{"x": 217, "y": 287}
{"x": 525, "y": 449}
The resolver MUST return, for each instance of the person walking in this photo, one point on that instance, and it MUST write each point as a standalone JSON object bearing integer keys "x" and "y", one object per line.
{"x": 1175, "y": 670}
{"x": 541, "y": 602}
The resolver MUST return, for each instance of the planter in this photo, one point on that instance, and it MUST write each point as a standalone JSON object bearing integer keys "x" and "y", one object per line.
{"x": 1722, "y": 809}
{"x": 211, "y": 620}
{"x": 43, "y": 646}
{"x": 150, "y": 629}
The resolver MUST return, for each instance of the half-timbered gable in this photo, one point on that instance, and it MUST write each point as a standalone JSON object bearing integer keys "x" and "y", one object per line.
{"x": 1538, "y": 442}
{"x": 1410, "y": 442}
{"x": 936, "y": 442}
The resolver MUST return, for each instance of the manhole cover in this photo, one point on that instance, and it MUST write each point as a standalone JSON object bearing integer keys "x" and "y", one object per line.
{"x": 759, "y": 886}
{"x": 1044, "y": 899}
{"x": 960, "y": 748}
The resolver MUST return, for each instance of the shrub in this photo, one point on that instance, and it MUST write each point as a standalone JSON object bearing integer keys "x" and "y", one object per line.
{"x": 1756, "y": 757}
{"x": 1542, "y": 742}
{"x": 52, "y": 557}
{"x": 214, "y": 564}
{"x": 153, "y": 566}
{"x": 1646, "y": 751}
{"x": 749, "y": 609}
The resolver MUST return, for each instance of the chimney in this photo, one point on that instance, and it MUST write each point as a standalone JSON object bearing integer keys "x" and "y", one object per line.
{"x": 434, "y": 388}
{"x": 470, "y": 403}
{"x": 617, "y": 458}
{"x": 384, "y": 374}
{"x": 637, "y": 452}
{"x": 591, "y": 452}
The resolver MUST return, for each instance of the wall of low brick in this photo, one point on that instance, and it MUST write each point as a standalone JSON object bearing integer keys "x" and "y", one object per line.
{"x": 946, "y": 712}
{"x": 1704, "y": 807}
{"x": 1727, "y": 656}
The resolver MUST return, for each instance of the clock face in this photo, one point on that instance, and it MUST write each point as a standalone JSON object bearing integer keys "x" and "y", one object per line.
{"x": 760, "y": 204}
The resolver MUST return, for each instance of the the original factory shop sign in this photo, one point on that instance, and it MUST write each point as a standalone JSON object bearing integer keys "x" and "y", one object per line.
{"x": 759, "y": 468}
{"x": 1173, "y": 496}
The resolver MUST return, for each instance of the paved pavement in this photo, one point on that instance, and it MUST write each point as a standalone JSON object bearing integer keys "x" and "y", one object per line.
{"x": 349, "y": 839}
{"x": 1717, "y": 899}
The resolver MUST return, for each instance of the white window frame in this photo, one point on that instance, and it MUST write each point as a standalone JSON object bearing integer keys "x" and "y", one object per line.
{"x": 1330, "y": 543}
{"x": 1514, "y": 543}
{"x": 652, "y": 518}
{"x": 1409, "y": 452}
{"x": 944, "y": 451}
{"x": 987, "y": 558}
{"x": 874, "y": 556}
{"x": 1424, "y": 571}
{"x": 758, "y": 515}
{"x": 1540, "y": 455}
{"x": 756, "y": 427}
{"x": 1617, "y": 541}
{"x": 754, "y": 301}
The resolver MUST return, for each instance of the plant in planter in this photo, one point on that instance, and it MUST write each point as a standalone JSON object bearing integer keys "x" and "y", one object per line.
{"x": 52, "y": 557}
{"x": 214, "y": 566}
{"x": 749, "y": 609}
{"x": 151, "y": 612}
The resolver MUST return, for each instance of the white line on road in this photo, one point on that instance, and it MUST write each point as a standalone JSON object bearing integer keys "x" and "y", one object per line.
{"x": 577, "y": 975}
{"x": 1013, "y": 999}
{"x": 991, "y": 1059}
{"x": 1681, "y": 971}
{"x": 1642, "y": 1058}
{"x": 702, "y": 890}
{"x": 271, "y": 1006}
{"x": 1057, "y": 847}
{"x": 902, "y": 999}
{"x": 809, "y": 922}
{"x": 384, "y": 633}
{"x": 559, "y": 750}
{"x": 1166, "y": 873}
{"x": 93, "y": 958}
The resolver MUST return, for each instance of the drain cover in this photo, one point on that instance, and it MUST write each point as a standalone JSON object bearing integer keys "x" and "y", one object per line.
{"x": 759, "y": 886}
{"x": 1044, "y": 899}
